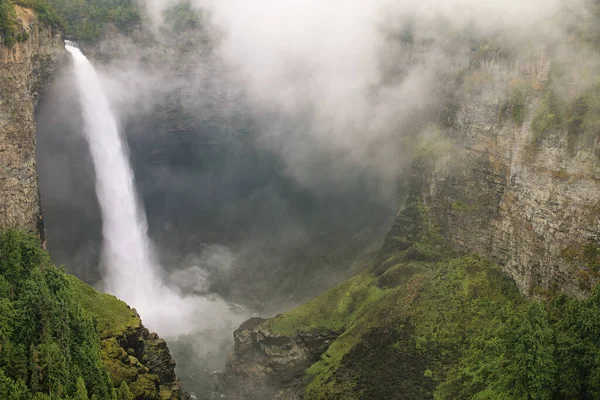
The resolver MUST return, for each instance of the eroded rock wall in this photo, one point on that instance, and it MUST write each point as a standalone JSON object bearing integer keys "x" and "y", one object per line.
{"x": 24, "y": 68}
{"x": 520, "y": 195}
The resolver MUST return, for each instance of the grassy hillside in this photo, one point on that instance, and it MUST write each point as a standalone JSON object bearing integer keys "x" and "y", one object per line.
{"x": 426, "y": 322}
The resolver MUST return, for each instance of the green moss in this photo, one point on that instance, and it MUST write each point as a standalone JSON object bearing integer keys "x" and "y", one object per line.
{"x": 582, "y": 118}
{"x": 400, "y": 274}
{"x": 405, "y": 337}
{"x": 333, "y": 310}
{"x": 113, "y": 317}
{"x": 146, "y": 387}
{"x": 547, "y": 116}
{"x": 413, "y": 237}
{"x": 417, "y": 327}
{"x": 585, "y": 258}
{"x": 165, "y": 393}
{"x": 448, "y": 327}
{"x": 117, "y": 364}
{"x": 515, "y": 107}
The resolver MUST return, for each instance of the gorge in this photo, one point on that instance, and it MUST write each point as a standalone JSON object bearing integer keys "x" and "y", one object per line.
{"x": 408, "y": 209}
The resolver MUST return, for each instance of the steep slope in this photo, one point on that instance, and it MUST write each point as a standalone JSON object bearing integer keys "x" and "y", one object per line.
{"x": 424, "y": 322}
{"x": 59, "y": 335}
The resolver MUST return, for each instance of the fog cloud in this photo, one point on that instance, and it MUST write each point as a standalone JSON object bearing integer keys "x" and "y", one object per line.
{"x": 337, "y": 82}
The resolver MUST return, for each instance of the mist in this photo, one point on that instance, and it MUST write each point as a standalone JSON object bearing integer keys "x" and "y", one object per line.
{"x": 270, "y": 145}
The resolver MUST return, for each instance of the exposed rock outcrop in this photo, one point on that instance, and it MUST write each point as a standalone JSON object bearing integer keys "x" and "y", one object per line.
{"x": 267, "y": 365}
{"x": 24, "y": 68}
{"x": 507, "y": 189}
{"x": 142, "y": 359}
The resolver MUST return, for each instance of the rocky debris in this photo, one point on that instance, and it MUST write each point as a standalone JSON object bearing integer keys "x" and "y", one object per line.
{"x": 264, "y": 365}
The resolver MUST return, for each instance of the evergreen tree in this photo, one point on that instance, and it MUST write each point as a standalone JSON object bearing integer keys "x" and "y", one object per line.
{"x": 81, "y": 393}
{"x": 123, "y": 393}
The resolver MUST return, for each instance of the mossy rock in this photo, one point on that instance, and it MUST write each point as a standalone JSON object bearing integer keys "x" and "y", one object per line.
{"x": 117, "y": 362}
{"x": 166, "y": 393}
{"x": 146, "y": 387}
{"x": 413, "y": 237}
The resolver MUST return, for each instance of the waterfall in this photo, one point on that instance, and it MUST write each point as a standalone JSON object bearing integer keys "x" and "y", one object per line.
{"x": 131, "y": 271}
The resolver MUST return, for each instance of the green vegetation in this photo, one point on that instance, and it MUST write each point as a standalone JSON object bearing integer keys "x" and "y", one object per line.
{"x": 11, "y": 30}
{"x": 580, "y": 118}
{"x": 84, "y": 19}
{"x": 489, "y": 48}
{"x": 43, "y": 11}
{"x": 586, "y": 260}
{"x": 182, "y": 17}
{"x": 87, "y": 20}
{"x": 548, "y": 116}
{"x": 62, "y": 340}
{"x": 426, "y": 322}
{"x": 9, "y": 24}
{"x": 112, "y": 316}
{"x": 11, "y": 27}
{"x": 515, "y": 107}
{"x": 334, "y": 310}
{"x": 461, "y": 206}
{"x": 48, "y": 343}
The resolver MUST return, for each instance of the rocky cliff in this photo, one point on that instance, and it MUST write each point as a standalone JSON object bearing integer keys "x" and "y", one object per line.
{"x": 518, "y": 179}
{"x": 24, "y": 68}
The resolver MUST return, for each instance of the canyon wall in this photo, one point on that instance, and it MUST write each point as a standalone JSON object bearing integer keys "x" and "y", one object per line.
{"x": 24, "y": 68}
{"x": 515, "y": 173}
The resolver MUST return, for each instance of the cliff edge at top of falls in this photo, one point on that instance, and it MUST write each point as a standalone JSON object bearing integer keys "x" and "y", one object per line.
{"x": 24, "y": 68}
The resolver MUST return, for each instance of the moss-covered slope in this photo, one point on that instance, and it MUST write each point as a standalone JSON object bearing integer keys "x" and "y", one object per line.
{"x": 427, "y": 322}
{"x": 60, "y": 339}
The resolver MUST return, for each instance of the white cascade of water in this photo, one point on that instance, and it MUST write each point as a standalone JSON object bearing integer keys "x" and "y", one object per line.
{"x": 132, "y": 273}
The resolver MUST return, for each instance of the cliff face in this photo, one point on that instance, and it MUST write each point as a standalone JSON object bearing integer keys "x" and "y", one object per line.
{"x": 24, "y": 68}
{"x": 515, "y": 180}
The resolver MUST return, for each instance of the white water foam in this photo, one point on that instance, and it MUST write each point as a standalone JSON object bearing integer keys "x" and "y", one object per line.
{"x": 132, "y": 272}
